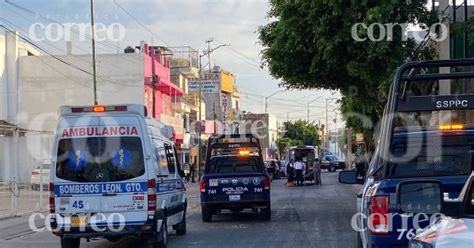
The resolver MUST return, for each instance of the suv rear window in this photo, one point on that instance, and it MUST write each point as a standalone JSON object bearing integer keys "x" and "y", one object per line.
{"x": 235, "y": 164}
{"x": 100, "y": 159}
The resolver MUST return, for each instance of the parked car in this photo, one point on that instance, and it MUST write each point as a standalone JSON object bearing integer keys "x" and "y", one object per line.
{"x": 40, "y": 176}
{"x": 332, "y": 163}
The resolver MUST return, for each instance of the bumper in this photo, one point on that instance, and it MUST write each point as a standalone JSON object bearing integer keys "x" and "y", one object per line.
{"x": 234, "y": 205}
{"x": 116, "y": 230}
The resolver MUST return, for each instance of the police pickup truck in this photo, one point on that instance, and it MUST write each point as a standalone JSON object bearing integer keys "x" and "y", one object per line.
{"x": 421, "y": 139}
{"x": 234, "y": 178}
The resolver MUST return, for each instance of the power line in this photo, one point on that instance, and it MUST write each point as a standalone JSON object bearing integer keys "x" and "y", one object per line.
{"x": 138, "y": 21}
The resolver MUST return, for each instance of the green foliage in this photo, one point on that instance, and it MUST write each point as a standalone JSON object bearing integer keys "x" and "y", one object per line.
{"x": 299, "y": 132}
{"x": 308, "y": 45}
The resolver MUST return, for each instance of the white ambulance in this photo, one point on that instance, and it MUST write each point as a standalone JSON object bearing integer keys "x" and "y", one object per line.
{"x": 114, "y": 173}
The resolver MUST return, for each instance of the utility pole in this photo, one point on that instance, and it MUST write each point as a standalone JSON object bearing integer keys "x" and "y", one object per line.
{"x": 94, "y": 66}
{"x": 209, "y": 54}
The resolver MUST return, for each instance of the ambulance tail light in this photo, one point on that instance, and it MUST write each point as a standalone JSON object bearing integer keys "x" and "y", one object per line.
{"x": 151, "y": 196}
{"x": 52, "y": 207}
{"x": 266, "y": 182}
{"x": 378, "y": 219}
{"x": 202, "y": 186}
{"x": 35, "y": 173}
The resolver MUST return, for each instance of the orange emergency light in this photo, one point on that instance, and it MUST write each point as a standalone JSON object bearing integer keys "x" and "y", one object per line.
{"x": 98, "y": 108}
{"x": 244, "y": 152}
{"x": 449, "y": 127}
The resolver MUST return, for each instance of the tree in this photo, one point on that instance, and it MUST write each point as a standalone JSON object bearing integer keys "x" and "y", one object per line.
{"x": 299, "y": 132}
{"x": 310, "y": 45}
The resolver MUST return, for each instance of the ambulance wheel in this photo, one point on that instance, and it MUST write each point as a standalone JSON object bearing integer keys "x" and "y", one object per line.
{"x": 206, "y": 213}
{"x": 70, "y": 243}
{"x": 162, "y": 241}
{"x": 266, "y": 213}
{"x": 181, "y": 227}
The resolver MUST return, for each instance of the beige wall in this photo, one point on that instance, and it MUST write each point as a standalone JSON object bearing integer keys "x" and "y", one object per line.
{"x": 46, "y": 84}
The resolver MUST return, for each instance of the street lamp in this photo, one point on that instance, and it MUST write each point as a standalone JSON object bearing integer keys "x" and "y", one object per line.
{"x": 326, "y": 128}
{"x": 266, "y": 98}
{"x": 309, "y": 103}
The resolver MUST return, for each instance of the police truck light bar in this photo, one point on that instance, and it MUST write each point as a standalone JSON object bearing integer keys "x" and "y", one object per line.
{"x": 449, "y": 127}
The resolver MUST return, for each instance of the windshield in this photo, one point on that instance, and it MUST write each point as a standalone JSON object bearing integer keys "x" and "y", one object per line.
{"x": 233, "y": 164}
{"x": 100, "y": 159}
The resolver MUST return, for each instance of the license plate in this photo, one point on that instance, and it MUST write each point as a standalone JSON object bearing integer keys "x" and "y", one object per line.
{"x": 78, "y": 221}
{"x": 234, "y": 197}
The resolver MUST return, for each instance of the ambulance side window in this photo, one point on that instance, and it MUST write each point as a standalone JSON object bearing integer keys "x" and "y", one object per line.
{"x": 161, "y": 158}
{"x": 171, "y": 158}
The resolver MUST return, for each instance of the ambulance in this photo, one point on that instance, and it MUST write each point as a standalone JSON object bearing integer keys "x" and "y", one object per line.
{"x": 115, "y": 173}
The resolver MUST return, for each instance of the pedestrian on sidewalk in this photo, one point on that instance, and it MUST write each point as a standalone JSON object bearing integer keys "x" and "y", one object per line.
{"x": 317, "y": 172}
{"x": 299, "y": 168}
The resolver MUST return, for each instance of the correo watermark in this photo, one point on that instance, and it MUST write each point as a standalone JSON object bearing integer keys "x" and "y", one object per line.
{"x": 63, "y": 32}
{"x": 378, "y": 32}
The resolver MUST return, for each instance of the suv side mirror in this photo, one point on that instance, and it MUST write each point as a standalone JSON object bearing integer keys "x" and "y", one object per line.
{"x": 420, "y": 196}
{"x": 348, "y": 177}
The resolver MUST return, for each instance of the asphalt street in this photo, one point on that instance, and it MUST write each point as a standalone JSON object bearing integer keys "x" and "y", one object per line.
{"x": 309, "y": 216}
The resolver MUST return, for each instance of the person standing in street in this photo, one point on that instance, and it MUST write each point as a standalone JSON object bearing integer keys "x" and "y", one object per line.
{"x": 290, "y": 173}
{"x": 317, "y": 172}
{"x": 192, "y": 170}
{"x": 299, "y": 168}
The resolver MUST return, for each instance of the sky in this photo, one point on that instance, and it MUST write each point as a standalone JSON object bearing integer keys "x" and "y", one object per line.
{"x": 182, "y": 23}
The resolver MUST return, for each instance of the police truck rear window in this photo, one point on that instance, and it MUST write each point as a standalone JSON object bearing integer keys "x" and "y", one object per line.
{"x": 235, "y": 164}
{"x": 100, "y": 159}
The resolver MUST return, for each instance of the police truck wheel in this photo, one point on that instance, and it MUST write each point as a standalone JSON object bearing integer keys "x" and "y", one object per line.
{"x": 206, "y": 213}
{"x": 70, "y": 243}
{"x": 266, "y": 213}
{"x": 332, "y": 169}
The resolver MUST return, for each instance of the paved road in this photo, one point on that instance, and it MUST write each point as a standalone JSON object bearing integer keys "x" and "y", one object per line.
{"x": 310, "y": 216}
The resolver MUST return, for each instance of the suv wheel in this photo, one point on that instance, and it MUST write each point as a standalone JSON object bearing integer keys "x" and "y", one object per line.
{"x": 332, "y": 168}
{"x": 266, "y": 213}
{"x": 206, "y": 213}
{"x": 70, "y": 243}
{"x": 181, "y": 227}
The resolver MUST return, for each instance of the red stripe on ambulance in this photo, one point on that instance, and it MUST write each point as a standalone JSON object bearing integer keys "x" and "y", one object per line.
{"x": 98, "y": 131}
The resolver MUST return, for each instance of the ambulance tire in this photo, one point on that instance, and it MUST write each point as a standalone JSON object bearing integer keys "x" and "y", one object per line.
{"x": 266, "y": 213}
{"x": 70, "y": 243}
{"x": 206, "y": 213}
{"x": 162, "y": 241}
{"x": 181, "y": 227}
